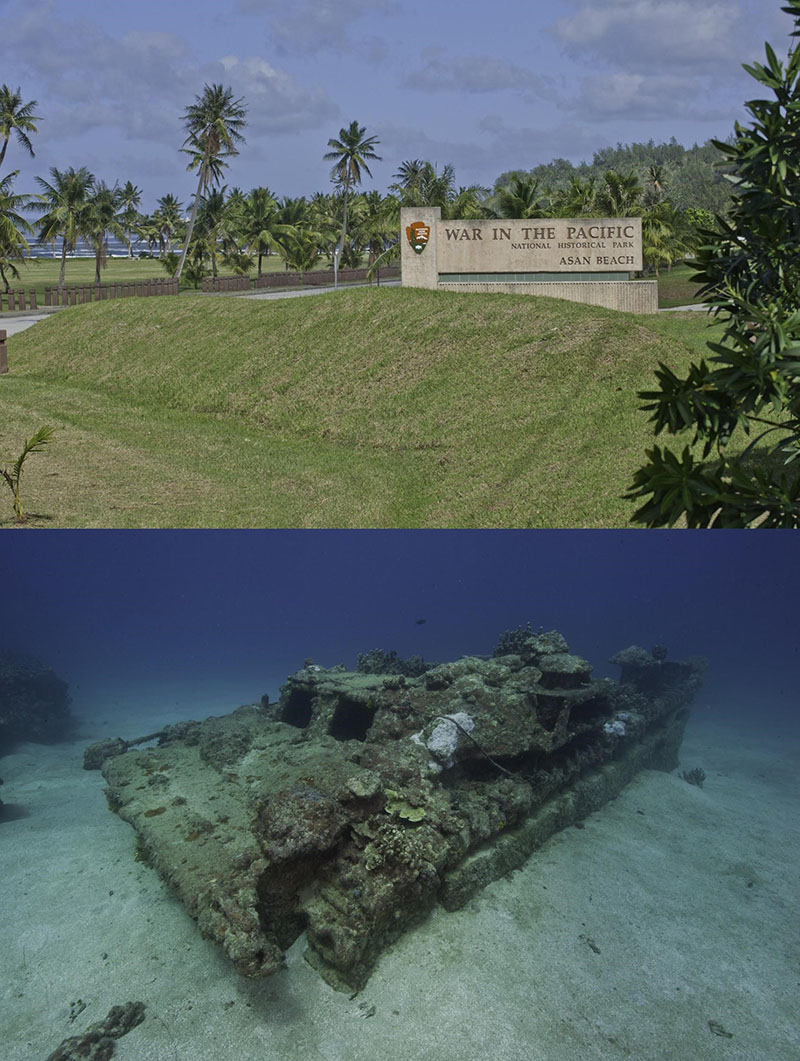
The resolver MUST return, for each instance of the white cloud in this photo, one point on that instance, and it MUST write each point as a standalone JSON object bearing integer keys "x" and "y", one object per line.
{"x": 140, "y": 83}
{"x": 474, "y": 74}
{"x": 641, "y": 97}
{"x": 320, "y": 25}
{"x": 638, "y": 34}
{"x": 275, "y": 101}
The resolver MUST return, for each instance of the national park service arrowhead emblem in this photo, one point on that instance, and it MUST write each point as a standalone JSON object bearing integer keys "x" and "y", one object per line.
{"x": 418, "y": 235}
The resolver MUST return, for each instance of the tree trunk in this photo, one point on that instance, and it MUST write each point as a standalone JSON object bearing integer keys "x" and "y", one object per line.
{"x": 337, "y": 254}
{"x": 63, "y": 270}
{"x": 190, "y": 229}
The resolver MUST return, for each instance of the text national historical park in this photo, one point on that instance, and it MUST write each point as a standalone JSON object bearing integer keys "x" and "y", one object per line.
{"x": 581, "y": 259}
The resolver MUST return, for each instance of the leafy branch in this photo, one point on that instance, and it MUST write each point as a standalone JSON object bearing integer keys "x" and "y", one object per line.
{"x": 748, "y": 266}
{"x": 35, "y": 444}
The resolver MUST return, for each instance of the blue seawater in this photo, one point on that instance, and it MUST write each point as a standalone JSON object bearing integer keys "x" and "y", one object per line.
{"x": 206, "y": 620}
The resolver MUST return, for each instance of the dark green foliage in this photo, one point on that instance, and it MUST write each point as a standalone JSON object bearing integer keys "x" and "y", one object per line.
{"x": 749, "y": 269}
{"x": 692, "y": 177}
{"x": 376, "y": 661}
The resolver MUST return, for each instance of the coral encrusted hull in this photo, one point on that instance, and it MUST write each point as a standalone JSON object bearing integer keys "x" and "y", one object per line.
{"x": 358, "y": 801}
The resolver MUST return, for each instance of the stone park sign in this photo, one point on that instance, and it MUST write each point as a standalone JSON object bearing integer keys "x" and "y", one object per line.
{"x": 552, "y": 245}
{"x": 581, "y": 259}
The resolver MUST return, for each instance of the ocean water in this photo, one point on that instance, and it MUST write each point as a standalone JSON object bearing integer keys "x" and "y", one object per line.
{"x": 216, "y": 614}
{"x": 665, "y": 928}
{"x": 116, "y": 249}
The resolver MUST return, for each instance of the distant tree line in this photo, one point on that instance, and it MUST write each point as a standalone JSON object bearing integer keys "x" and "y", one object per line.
{"x": 691, "y": 178}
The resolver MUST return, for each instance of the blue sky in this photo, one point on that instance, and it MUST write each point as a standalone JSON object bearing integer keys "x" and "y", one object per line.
{"x": 485, "y": 86}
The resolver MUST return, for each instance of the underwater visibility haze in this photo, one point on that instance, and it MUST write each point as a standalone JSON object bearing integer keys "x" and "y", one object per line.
{"x": 222, "y": 617}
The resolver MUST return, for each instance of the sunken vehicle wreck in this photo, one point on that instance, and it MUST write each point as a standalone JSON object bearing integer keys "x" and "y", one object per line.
{"x": 358, "y": 801}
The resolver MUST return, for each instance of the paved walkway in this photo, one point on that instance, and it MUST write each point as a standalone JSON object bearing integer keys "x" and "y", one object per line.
{"x": 312, "y": 290}
{"x": 18, "y": 322}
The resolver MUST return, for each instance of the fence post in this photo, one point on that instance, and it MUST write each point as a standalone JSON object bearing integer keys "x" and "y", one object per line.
{"x": 3, "y": 353}
{"x": 33, "y": 300}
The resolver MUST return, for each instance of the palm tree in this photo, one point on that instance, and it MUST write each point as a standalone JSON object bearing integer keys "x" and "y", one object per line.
{"x": 213, "y": 125}
{"x": 13, "y": 244}
{"x": 99, "y": 217}
{"x": 349, "y": 154}
{"x": 579, "y": 199}
{"x": 621, "y": 195}
{"x": 421, "y": 184}
{"x": 424, "y": 185}
{"x": 260, "y": 223}
{"x": 378, "y": 223}
{"x": 409, "y": 176}
{"x": 521, "y": 197}
{"x": 149, "y": 229}
{"x": 666, "y": 235}
{"x": 16, "y": 117}
{"x": 213, "y": 223}
{"x": 298, "y": 237}
{"x": 654, "y": 180}
{"x": 300, "y": 250}
{"x": 167, "y": 216}
{"x": 467, "y": 202}
{"x": 129, "y": 199}
{"x": 63, "y": 202}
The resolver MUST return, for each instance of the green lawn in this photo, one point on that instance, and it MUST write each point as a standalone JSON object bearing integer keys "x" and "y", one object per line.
{"x": 676, "y": 288}
{"x": 38, "y": 273}
{"x": 366, "y": 408}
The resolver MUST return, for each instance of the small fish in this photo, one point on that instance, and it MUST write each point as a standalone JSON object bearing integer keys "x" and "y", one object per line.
{"x": 420, "y": 622}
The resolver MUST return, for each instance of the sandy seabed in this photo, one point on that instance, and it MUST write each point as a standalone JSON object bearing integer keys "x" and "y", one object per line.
{"x": 665, "y": 928}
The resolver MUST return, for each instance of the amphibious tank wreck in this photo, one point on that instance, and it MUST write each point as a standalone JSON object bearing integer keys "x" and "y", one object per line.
{"x": 360, "y": 799}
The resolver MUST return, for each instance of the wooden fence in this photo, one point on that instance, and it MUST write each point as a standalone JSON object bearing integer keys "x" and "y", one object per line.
{"x": 77, "y": 294}
{"x": 311, "y": 279}
{"x": 17, "y": 299}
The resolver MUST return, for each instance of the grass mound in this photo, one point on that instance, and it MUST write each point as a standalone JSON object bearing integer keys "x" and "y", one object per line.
{"x": 367, "y": 407}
